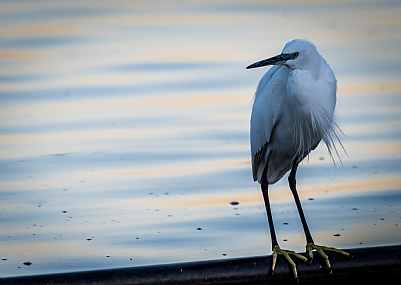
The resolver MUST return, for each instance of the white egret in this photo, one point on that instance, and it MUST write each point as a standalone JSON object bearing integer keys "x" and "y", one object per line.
{"x": 293, "y": 111}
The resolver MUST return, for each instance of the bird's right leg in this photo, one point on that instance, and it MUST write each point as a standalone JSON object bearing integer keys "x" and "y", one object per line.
{"x": 275, "y": 247}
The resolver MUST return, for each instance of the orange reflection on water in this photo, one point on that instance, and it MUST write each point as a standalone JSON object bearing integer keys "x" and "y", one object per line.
{"x": 282, "y": 195}
{"x": 366, "y": 185}
{"x": 371, "y": 149}
{"x": 212, "y": 200}
{"x": 391, "y": 86}
{"x": 18, "y": 54}
{"x": 38, "y": 30}
{"x": 49, "y": 247}
{"x": 175, "y": 19}
{"x": 74, "y": 135}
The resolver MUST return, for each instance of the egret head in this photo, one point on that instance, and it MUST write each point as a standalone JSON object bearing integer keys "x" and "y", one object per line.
{"x": 296, "y": 54}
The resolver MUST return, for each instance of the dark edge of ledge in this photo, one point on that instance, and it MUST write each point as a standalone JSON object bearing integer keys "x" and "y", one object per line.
{"x": 375, "y": 265}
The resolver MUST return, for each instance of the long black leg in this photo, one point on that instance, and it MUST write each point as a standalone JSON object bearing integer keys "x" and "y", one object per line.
{"x": 292, "y": 183}
{"x": 265, "y": 187}
{"x": 275, "y": 247}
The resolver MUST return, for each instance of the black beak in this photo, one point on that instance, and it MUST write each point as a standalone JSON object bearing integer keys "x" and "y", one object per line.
{"x": 278, "y": 59}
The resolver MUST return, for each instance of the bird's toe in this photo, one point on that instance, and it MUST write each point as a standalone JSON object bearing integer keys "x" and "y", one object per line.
{"x": 320, "y": 249}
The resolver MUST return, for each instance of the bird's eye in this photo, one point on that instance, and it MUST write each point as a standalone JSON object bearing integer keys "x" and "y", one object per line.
{"x": 295, "y": 54}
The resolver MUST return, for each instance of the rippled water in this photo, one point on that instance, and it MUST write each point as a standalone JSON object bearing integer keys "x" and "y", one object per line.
{"x": 124, "y": 132}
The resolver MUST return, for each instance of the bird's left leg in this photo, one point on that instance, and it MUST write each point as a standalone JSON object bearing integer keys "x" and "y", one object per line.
{"x": 310, "y": 245}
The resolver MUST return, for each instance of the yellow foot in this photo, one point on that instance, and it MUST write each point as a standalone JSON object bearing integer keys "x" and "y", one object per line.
{"x": 286, "y": 253}
{"x": 320, "y": 249}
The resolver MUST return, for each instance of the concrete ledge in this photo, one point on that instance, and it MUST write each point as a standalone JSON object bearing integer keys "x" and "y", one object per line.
{"x": 376, "y": 265}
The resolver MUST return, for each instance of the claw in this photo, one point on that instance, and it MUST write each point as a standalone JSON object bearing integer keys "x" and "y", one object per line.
{"x": 286, "y": 254}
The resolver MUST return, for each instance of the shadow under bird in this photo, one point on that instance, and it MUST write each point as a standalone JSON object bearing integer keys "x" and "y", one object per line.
{"x": 293, "y": 111}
